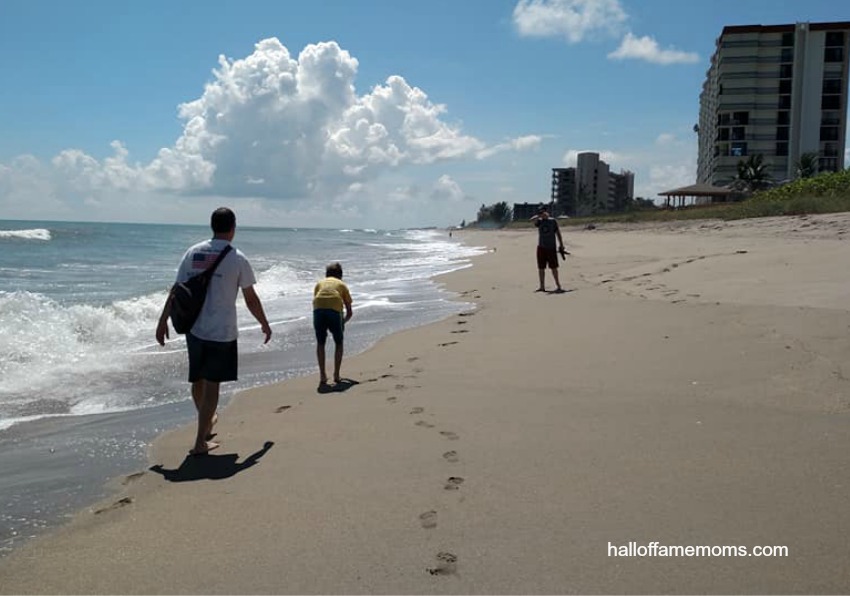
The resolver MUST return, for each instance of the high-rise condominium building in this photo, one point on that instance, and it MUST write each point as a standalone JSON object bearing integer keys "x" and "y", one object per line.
{"x": 778, "y": 91}
{"x": 590, "y": 187}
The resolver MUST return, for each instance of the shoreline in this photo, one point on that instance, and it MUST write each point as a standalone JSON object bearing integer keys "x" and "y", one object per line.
{"x": 686, "y": 390}
{"x": 57, "y": 467}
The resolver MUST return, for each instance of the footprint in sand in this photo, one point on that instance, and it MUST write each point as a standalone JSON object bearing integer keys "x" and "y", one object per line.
{"x": 466, "y": 314}
{"x": 417, "y": 410}
{"x": 425, "y": 424}
{"x": 460, "y": 331}
{"x": 391, "y": 399}
{"x": 281, "y": 409}
{"x": 413, "y": 359}
{"x": 451, "y": 456}
{"x": 446, "y": 564}
{"x": 448, "y": 343}
{"x": 460, "y": 322}
{"x": 449, "y": 435}
{"x": 116, "y": 505}
{"x": 453, "y": 483}
{"x": 132, "y": 478}
{"x": 428, "y": 519}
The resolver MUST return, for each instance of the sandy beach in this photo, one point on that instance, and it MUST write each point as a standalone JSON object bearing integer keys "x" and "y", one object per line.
{"x": 687, "y": 390}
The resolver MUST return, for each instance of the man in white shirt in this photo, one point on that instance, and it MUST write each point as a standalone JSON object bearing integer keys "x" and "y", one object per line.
{"x": 211, "y": 343}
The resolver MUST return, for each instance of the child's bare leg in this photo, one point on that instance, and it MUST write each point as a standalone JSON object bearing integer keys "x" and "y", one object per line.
{"x": 338, "y": 349}
{"x": 320, "y": 356}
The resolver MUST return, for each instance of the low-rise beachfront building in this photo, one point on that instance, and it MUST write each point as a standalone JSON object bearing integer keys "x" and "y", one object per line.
{"x": 590, "y": 187}
{"x": 779, "y": 91}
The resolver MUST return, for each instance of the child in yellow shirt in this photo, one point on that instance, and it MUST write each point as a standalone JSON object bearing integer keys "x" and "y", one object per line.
{"x": 330, "y": 296}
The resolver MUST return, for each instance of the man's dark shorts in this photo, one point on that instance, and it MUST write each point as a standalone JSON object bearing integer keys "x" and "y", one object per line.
{"x": 328, "y": 319}
{"x": 547, "y": 256}
{"x": 215, "y": 361}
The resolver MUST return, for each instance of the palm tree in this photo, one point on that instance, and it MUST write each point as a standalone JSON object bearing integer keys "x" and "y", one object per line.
{"x": 807, "y": 166}
{"x": 753, "y": 173}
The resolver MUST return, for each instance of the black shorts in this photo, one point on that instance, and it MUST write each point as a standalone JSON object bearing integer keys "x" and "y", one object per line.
{"x": 215, "y": 361}
{"x": 328, "y": 319}
{"x": 547, "y": 256}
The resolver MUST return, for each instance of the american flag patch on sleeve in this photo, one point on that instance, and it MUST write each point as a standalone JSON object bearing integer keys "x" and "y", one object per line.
{"x": 202, "y": 260}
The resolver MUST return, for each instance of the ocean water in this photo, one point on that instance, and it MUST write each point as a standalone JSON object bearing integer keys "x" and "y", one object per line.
{"x": 83, "y": 385}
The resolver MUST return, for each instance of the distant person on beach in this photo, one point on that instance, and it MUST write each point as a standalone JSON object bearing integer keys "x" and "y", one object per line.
{"x": 547, "y": 252}
{"x": 330, "y": 297}
{"x": 211, "y": 343}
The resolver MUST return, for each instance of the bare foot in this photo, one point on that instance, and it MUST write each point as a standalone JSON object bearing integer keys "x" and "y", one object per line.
{"x": 207, "y": 447}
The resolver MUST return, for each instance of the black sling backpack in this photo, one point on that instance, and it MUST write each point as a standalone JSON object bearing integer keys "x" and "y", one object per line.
{"x": 187, "y": 298}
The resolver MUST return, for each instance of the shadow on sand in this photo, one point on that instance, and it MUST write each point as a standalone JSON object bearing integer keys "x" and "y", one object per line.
{"x": 342, "y": 385}
{"x": 210, "y": 466}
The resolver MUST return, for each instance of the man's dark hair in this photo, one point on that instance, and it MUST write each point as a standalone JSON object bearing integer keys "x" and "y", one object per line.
{"x": 334, "y": 270}
{"x": 223, "y": 220}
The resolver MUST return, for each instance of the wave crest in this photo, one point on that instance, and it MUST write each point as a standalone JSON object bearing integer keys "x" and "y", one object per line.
{"x": 34, "y": 234}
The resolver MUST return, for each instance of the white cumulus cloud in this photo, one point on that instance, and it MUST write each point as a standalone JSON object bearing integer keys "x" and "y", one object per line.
{"x": 612, "y": 158}
{"x": 647, "y": 49}
{"x": 574, "y": 20}
{"x": 275, "y": 126}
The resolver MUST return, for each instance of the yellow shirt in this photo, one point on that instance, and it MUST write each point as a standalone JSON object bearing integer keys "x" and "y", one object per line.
{"x": 331, "y": 293}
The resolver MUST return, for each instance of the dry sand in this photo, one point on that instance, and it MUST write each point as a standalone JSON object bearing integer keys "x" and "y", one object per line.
{"x": 689, "y": 389}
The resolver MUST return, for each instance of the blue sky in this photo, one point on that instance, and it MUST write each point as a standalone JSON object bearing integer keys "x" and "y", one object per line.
{"x": 345, "y": 113}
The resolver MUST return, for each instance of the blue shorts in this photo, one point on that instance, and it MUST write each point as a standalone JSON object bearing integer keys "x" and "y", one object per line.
{"x": 215, "y": 361}
{"x": 328, "y": 319}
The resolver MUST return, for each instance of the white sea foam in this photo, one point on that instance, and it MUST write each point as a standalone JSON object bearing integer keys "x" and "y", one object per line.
{"x": 42, "y": 340}
{"x": 34, "y": 234}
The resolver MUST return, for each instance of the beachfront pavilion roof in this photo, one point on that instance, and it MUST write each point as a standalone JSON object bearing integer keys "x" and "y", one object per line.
{"x": 696, "y": 190}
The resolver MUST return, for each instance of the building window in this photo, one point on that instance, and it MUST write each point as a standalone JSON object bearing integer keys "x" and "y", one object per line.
{"x": 828, "y": 164}
{"x": 784, "y": 102}
{"x": 785, "y": 86}
{"x": 782, "y": 149}
{"x": 742, "y": 118}
{"x": 830, "y": 102}
{"x": 783, "y": 117}
{"x": 723, "y": 119}
{"x": 786, "y": 71}
{"x": 833, "y": 55}
{"x": 832, "y": 86}
{"x": 738, "y": 133}
{"x": 830, "y": 118}
{"x": 738, "y": 149}
{"x": 828, "y": 133}
{"x": 835, "y": 38}
{"x": 723, "y": 134}
{"x": 788, "y": 39}
{"x": 781, "y": 133}
{"x": 787, "y": 55}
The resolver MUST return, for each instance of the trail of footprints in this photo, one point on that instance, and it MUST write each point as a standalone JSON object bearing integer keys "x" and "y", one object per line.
{"x": 445, "y": 562}
{"x": 646, "y": 283}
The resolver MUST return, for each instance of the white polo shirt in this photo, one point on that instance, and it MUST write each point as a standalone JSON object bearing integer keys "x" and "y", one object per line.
{"x": 217, "y": 321}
